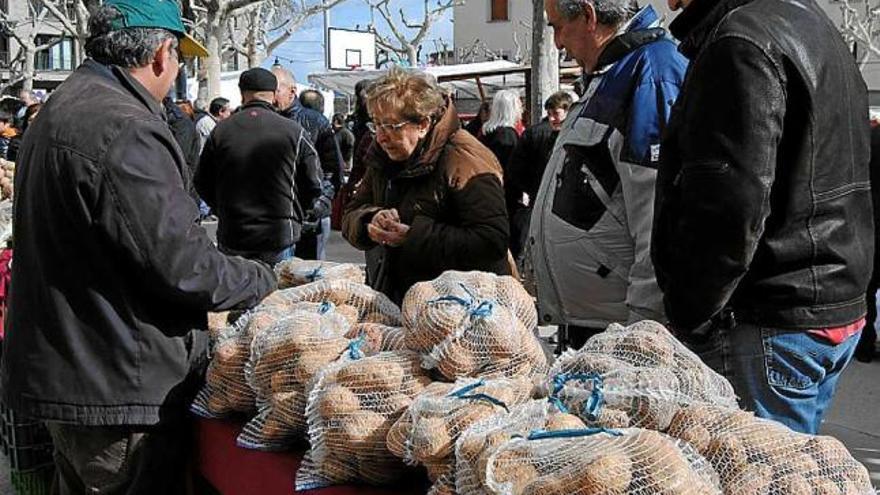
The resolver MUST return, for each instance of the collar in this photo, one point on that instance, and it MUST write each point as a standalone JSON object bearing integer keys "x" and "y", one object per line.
{"x": 260, "y": 103}
{"x": 641, "y": 30}
{"x": 697, "y": 22}
{"x": 131, "y": 84}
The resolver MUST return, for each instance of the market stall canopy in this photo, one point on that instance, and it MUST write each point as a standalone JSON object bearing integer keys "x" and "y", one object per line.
{"x": 465, "y": 78}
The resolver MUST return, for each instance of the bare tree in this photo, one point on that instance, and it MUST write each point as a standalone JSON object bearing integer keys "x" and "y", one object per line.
{"x": 861, "y": 25}
{"x": 73, "y": 19}
{"x": 406, "y": 35}
{"x": 258, "y": 31}
{"x": 25, "y": 31}
{"x": 545, "y": 62}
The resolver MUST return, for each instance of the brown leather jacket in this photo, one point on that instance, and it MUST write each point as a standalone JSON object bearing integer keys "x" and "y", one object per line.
{"x": 450, "y": 193}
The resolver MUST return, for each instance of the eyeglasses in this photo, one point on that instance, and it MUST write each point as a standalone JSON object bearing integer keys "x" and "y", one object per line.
{"x": 387, "y": 128}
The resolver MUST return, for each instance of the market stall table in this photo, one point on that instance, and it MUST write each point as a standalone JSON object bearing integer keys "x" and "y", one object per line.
{"x": 236, "y": 471}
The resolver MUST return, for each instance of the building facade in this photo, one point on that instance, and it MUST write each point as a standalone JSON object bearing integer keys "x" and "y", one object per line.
{"x": 495, "y": 27}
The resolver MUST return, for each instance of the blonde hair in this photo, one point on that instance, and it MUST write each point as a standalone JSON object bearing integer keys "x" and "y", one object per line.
{"x": 409, "y": 94}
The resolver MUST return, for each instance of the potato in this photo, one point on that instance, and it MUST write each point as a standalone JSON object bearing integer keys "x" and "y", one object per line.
{"x": 793, "y": 484}
{"x": 513, "y": 467}
{"x": 457, "y": 361}
{"x": 363, "y": 431}
{"x": 563, "y": 421}
{"x": 289, "y": 407}
{"x": 660, "y": 461}
{"x": 309, "y": 365}
{"x": 825, "y": 486}
{"x": 396, "y": 441}
{"x": 430, "y": 439}
{"x": 728, "y": 455}
{"x": 369, "y": 375}
{"x": 698, "y": 436}
{"x": 349, "y": 312}
{"x": 550, "y": 485}
{"x": 283, "y": 381}
{"x": 649, "y": 349}
{"x": 337, "y": 401}
{"x": 595, "y": 363}
{"x": 610, "y": 473}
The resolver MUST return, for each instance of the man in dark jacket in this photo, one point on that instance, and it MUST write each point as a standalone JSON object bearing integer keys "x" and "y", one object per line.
{"x": 112, "y": 274}
{"x": 184, "y": 131}
{"x": 313, "y": 244}
{"x": 259, "y": 173}
{"x": 763, "y": 233}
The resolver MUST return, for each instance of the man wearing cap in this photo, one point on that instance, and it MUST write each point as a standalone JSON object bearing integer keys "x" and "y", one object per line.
{"x": 113, "y": 276}
{"x": 259, "y": 172}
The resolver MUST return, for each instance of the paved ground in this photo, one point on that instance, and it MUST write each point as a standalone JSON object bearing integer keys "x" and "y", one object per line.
{"x": 854, "y": 417}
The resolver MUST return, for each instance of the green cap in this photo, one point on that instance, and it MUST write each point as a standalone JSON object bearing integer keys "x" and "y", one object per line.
{"x": 161, "y": 14}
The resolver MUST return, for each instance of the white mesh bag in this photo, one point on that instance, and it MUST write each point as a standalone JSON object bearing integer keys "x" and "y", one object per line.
{"x": 226, "y": 389}
{"x": 283, "y": 360}
{"x": 350, "y": 410}
{"x": 755, "y": 456}
{"x": 469, "y": 324}
{"x": 357, "y": 302}
{"x": 594, "y": 461}
{"x": 636, "y": 376}
{"x": 426, "y": 433}
{"x": 377, "y": 337}
{"x": 296, "y": 272}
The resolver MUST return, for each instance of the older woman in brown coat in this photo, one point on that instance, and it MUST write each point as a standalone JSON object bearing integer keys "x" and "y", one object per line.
{"x": 432, "y": 198}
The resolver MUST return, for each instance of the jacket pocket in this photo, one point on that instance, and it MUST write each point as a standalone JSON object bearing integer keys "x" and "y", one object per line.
{"x": 698, "y": 169}
{"x": 585, "y": 185}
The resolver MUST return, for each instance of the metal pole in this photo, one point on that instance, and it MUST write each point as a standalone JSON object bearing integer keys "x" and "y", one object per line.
{"x": 326, "y": 36}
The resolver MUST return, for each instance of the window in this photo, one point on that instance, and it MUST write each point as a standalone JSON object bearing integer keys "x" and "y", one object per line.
{"x": 499, "y": 10}
{"x": 230, "y": 61}
{"x": 57, "y": 57}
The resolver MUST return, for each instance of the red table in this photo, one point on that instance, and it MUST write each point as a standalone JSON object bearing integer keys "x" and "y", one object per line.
{"x": 236, "y": 471}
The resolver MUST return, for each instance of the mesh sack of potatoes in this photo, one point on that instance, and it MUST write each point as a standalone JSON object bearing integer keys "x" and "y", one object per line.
{"x": 426, "y": 433}
{"x": 469, "y": 324}
{"x": 283, "y": 360}
{"x": 377, "y": 337}
{"x": 351, "y": 408}
{"x": 357, "y": 302}
{"x": 756, "y": 456}
{"x": 296, "y": 272}
{"x": 635, "y": 376}
{"x": 226, "y": 389}
{"x": 478, "y": 442}
{"x": 594, "y": 461}
{"x": 433, "y": 309}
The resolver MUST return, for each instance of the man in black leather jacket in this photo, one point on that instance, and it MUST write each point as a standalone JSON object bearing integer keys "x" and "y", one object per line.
{"x": 113, "y": 278}
{"x": 763, "y": 233}
{"x": 259, "y": 173}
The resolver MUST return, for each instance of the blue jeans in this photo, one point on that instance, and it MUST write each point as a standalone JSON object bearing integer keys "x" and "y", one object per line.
{"x": 781, "y": 375}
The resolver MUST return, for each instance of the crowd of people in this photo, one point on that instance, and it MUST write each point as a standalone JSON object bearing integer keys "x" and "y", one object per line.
{"x": 713, "y": 176}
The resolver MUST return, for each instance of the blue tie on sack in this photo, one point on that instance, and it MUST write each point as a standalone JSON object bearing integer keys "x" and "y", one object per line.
{"x": 592, "y": 405}
{"x": 464, "y": 393}
{"x": 577, "y": 433}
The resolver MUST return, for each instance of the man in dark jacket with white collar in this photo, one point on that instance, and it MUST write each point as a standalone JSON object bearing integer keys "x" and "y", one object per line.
{"x": 763, "y": 233}
{"x": 113, "y": 275}
{"x": 259, "y": 173}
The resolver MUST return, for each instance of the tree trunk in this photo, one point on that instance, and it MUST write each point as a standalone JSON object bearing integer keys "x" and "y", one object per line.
{"x": 29, "y": 67}
{"x": 545, "y": 62}
{"x": 214, "y": 62}
{"x": 412, "y": 55}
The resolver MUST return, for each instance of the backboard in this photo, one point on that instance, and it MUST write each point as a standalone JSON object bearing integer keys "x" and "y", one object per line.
{"x": 349, "y": 49}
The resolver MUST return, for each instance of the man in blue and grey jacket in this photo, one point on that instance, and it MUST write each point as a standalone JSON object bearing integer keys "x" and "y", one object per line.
{"x": 590, "y": 234}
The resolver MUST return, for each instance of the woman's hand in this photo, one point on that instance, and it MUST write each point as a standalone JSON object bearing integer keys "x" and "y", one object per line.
{"x": 385, "y": 219}
{"x": 394, "y": 235}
